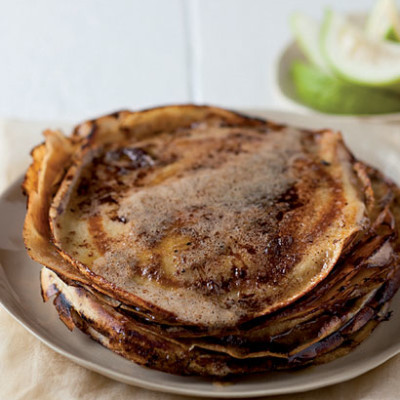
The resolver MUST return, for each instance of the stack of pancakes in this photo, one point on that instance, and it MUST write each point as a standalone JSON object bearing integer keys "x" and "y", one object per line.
{"x": 198, "y": 241}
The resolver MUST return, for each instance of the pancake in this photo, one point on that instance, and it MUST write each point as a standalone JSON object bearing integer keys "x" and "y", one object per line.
{"x": 198, "y": 241}
{"x": 195, "y": 221}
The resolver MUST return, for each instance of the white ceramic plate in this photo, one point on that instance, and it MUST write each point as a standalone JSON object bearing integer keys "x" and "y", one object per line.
{"x": 285, "y": 93}
{"x": 20, "y": 295}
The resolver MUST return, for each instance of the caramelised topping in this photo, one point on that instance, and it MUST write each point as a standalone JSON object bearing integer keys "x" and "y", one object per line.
{"x": 214, "y": 223}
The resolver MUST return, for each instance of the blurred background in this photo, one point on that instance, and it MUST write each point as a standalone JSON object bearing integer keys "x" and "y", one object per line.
{"x": 70, "y": 60}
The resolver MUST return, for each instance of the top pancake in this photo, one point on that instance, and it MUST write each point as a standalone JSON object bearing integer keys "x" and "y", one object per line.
{"x": 212, "y": 220}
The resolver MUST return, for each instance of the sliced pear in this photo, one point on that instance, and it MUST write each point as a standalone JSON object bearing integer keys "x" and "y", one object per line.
{"x": 332, "y": 95}
{"x": 357, "y": 57}
{"x": 384, "y": 21}
{"x": 306, "y": 32}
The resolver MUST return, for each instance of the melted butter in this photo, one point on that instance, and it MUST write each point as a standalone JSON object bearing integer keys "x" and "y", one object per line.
{"x": 231, "y": 193}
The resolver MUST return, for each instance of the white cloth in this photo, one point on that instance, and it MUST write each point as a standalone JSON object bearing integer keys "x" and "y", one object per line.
{"x": 29, "y": 370}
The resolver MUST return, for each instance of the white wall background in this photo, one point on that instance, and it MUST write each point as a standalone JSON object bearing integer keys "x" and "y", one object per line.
{"x": 75, "y": 59}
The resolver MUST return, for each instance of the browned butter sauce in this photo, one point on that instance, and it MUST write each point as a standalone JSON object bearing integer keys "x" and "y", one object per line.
{"x": 218, "y": 219}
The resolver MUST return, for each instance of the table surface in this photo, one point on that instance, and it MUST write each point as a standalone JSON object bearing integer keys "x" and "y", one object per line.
{"x": 74, "y": 59}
